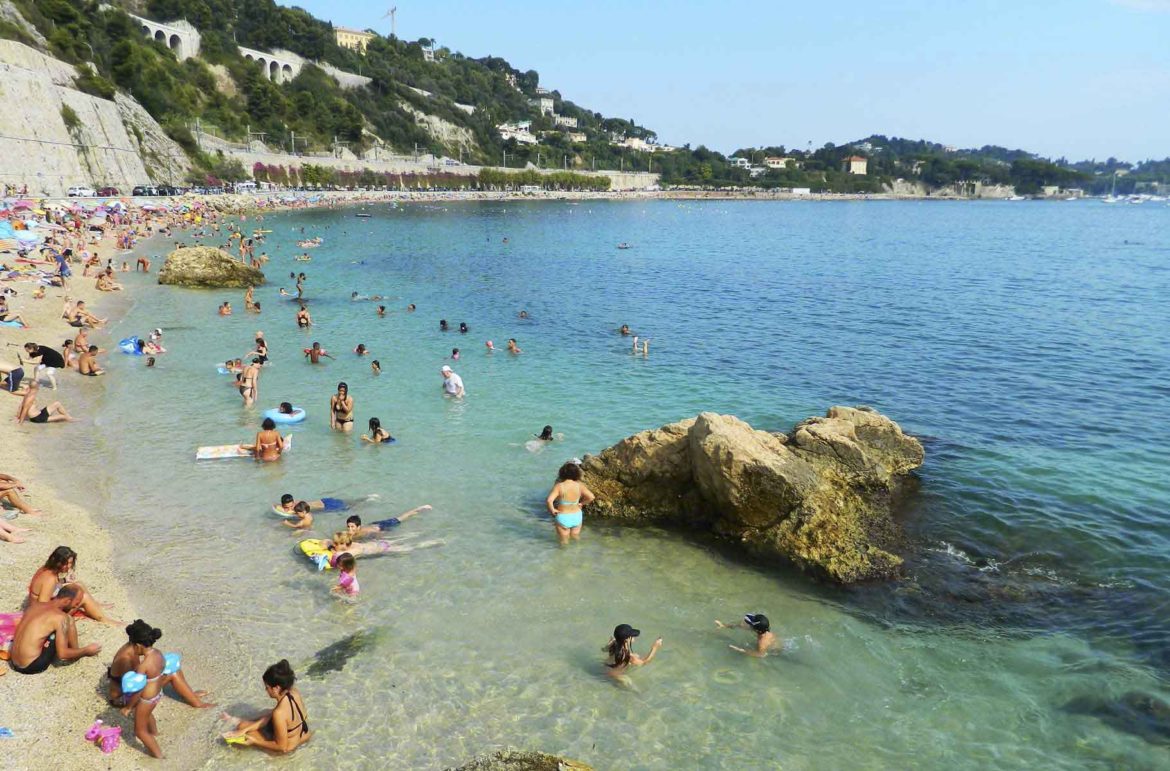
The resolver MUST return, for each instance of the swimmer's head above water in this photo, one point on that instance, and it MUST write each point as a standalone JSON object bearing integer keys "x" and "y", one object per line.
{"x": 546, "y": 434}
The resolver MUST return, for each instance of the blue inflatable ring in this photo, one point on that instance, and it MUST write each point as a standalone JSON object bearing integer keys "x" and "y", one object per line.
{"x": 129, "y": 345}
{"x": 279, "y": 417}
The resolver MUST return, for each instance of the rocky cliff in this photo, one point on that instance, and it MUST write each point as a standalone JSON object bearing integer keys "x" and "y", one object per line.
{"x": 53, "y": 136}
{"x": 203, "y": 266}
{"x": 819, "y": 497}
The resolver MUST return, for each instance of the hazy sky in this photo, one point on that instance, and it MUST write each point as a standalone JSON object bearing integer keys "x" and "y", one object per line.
{"x": 1078, "y": 78}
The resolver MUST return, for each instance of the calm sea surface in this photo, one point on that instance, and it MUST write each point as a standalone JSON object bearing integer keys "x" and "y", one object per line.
{"x": 1027, "y": 344}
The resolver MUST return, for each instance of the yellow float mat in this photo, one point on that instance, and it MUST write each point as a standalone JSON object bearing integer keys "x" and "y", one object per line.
{"x": 314, "y": 547}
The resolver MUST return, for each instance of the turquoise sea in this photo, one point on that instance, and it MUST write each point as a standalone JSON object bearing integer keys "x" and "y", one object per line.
{"x": 1027, "y": 344}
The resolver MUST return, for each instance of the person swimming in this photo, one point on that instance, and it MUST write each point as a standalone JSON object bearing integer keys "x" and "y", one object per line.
{"x": 376, "y": 367}
{"x": 546, "y": 434}
{"x": 463, "y": 327}
{"x": 619, "y": 655}
{"x": 758, "y": 623}
{"x": 377, "y": 435}
{"x": 443, "y": 325}
{"x": 455, "y": 354}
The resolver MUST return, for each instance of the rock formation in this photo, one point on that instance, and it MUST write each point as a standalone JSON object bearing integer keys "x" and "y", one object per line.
{"x": 207, "y": 267}
{"x": 515, "y": 760}
{"x": 819, "y": 497}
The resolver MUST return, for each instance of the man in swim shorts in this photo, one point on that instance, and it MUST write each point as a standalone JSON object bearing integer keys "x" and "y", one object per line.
{"x": 46, "y": 633}
{"x": 288, "y": 504}
{"x": 354, "y": 527}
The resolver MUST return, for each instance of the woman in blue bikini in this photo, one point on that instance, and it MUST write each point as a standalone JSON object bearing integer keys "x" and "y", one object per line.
{"x": 565, "y": 500}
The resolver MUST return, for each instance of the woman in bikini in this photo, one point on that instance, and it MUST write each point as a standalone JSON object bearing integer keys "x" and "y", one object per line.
{"x": 28, "y": 410}
{"x": 341, "y": 409}
{"x": 57, "y": 572}
{"x": 269, "y": 443}
{"x": 248, "y": 382}
{"x": 150, "y": 667}
{"x": 282, "y": 729}
{"x": 565, "y": 500}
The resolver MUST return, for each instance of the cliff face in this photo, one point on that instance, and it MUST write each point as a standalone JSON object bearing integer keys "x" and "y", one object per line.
{"x": 53, "y": 136}
{"x": 819, "y": 497}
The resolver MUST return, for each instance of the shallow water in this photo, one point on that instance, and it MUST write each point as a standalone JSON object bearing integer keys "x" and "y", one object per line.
{"x": 1027, "y": 344}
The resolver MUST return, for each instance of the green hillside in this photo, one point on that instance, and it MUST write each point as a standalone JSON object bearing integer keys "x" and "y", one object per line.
{"x": 312, "y": 106}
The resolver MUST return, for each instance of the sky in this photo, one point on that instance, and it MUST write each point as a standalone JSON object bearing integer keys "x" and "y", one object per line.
{"x": 1063, "y": 78}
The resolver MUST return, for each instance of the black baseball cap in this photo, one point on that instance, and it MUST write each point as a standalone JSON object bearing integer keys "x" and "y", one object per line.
{"x": 625, "y": 632}
{"x": 758, "y": 622}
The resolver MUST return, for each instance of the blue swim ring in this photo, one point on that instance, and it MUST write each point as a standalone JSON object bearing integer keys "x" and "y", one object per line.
{"x": 129, "y": 345}
{"x": 173, "y": 663}
{"x": 277, "y": 416}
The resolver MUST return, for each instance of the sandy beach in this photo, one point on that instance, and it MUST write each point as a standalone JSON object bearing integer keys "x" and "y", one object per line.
{"x": 48, "y": 714}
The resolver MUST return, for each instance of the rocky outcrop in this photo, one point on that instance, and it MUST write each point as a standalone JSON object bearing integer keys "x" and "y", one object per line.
{"x": 55, "y": 136}
{"x": 516, "y": 760}
{"x": 204, "y": 266}
{"x": 819, "y": 497}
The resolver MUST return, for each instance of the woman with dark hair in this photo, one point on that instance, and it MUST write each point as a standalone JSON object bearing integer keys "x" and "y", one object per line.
{"x": 56, "y": 573}
{"x": 341, "y": 409}
{"x": 142, "y": 637}
{"x": 620, "y": 657}
{"x": 443, "y": 325}
{"x": 565, "y": 500}
{"x": 283, "y": 728}
{"x": 545, "y": 435}
{"x": 377, "y": 435}
{"x": 269, "y": 444}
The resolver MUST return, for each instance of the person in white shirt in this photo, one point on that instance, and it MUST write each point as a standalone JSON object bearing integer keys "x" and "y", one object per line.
{"x": 452, "y": 383}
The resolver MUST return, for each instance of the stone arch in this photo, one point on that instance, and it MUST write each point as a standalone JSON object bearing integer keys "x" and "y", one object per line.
{"x": 286, "y": 73}
{"x": 160, "y": 36}
{"x": 146, "y": 29}
{"x": 174, "y": 42}
{"x": 273, "y": 70}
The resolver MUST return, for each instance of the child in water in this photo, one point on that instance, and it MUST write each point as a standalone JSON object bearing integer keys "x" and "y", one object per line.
{"x": 758, "y": 623}
{"x": 347, "y": 583}
{"x": 304, "y": 517}
{"x": 376, "y": 367}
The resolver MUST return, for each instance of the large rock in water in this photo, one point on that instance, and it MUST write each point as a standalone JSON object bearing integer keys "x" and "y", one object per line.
{"x": 208, "y": 267}
{"x": 516, "y": 760}
{"x": 819, "y": 497}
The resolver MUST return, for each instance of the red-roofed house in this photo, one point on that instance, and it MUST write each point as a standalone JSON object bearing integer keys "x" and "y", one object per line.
{"x": 855, "y": 164}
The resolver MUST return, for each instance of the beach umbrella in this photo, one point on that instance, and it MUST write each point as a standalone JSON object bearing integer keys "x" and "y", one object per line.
{"x": 22, "y": 204}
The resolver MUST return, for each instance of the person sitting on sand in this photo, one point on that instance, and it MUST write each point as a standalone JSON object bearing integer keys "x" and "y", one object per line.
{"x": 356, "y": 530}
{"x": 46, "y": 633}
{"x": 87, "y": 362}
{"x": 269, "y": 444}
{"x": 758, "y": 623}
{"x": 9, "y": 315}
{"x": 8, "y": 532}
{"x": 377, "y": 435}
{"x": 10, "y": 489}
{"x": 105, "y": 282}
{"x": 620, "y": 657}
{"x": 57, "y": 573}
{"x": 565, "y": 500}
{"x": 79, "y": 317}
{"x": 281, "y": 729}
{"x": 341, "y": 409}
{"x": 28, "y": 410}
{"x": 140, "y": 656}
{"x": 347, "y": 583}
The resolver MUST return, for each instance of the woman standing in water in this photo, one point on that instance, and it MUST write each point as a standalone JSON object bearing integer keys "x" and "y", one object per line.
{"x": 281, "y": 729}
{"x": 565, "y": 500}
{"x": 269, "y": 444}
{"x": 341, "y": 409}
{"x": 620, "y": 657}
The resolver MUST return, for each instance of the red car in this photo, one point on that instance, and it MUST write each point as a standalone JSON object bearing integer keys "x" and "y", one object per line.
{"x": 108, "y": 191}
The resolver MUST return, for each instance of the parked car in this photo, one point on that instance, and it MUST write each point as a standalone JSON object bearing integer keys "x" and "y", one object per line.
{"x": 80, "y": 191}
{"x": 144, "y": 190}
{"x": 109, "y": 191}
{"x": 168, "y": 190}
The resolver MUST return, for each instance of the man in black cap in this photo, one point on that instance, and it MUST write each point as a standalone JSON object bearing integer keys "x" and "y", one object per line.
{"x": 758, "y": 623}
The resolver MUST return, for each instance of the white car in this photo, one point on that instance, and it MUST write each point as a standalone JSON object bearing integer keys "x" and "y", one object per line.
{"x": 79, "y": 191}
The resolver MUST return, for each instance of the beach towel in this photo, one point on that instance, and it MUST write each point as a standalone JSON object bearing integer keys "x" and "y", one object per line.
{"x": 8, "y": 622}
